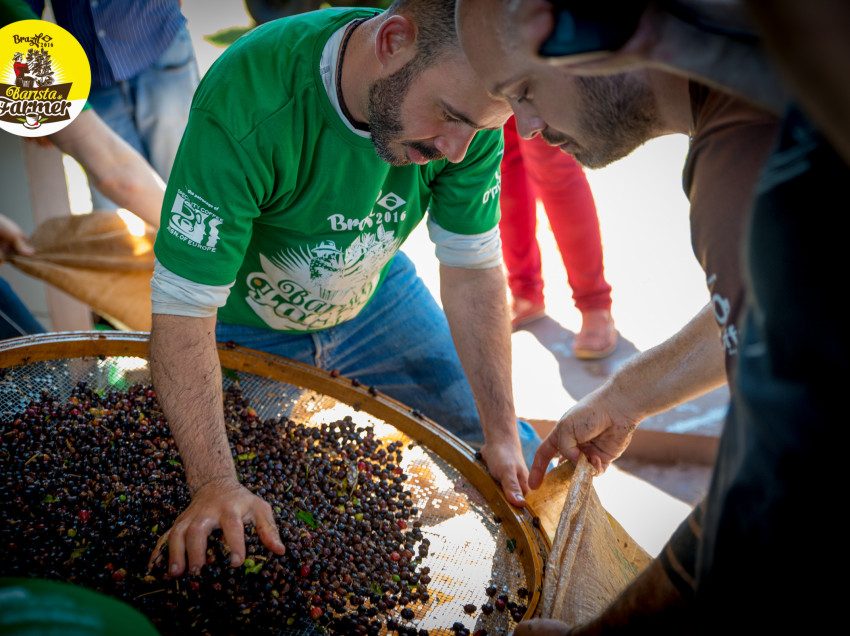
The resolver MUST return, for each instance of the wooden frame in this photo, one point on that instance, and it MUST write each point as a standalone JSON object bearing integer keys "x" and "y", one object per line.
{"x": 532, "y": 544}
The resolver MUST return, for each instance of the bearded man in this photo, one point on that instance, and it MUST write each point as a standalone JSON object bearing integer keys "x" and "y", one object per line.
{"x": 723, "y": 569}
{"x": 315, "y": 145}
{"x": 599, "y": 119}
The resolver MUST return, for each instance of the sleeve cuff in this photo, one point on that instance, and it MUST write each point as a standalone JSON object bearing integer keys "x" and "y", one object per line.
{"x": 470, "y": 251}
{"x": 177, "y": 296}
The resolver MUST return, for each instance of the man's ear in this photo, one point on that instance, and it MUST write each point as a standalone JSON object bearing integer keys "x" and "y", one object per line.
{"x": 395, "y": 43}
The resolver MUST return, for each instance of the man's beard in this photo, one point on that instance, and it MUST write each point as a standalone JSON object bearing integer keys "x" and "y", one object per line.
{"x": 385, "y": 99}
{"x": 618, "y": 115}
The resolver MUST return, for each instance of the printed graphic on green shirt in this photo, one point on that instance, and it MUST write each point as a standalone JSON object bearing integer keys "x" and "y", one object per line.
{"x": 325, "y": 284}
{"x": 193, "y": 221}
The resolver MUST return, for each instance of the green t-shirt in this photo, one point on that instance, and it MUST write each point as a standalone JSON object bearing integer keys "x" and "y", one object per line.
{"x": 14, "y": 10}
{"x": 272, "y": 190}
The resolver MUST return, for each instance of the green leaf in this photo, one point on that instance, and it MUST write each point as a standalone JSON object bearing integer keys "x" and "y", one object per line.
{"x": 226, "y": 37}
{"x": 306, "y": 517}
{"x": 230, "y": 373}
{"x": 511, "y": 545}
{"x": 244, "y": 457}
{"x": 251, "y": 567}
{"x": 49, "y": 499}
{"x": 80, "y": 551}
{"x": 174, "y": 462}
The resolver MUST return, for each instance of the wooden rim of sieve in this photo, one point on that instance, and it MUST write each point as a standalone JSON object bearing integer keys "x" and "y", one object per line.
{"x": 532, "y": 544}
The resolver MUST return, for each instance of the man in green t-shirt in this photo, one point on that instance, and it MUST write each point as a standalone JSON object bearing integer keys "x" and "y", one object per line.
{"x": 315, "y": 145}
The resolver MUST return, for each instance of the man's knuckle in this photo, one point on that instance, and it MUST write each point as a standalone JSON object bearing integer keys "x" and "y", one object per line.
{"x": 196, "y": 529}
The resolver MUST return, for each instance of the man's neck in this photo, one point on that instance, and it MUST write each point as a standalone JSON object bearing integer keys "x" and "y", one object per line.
{"x": 358, "y": 71}
{"x": 673, "y": 101}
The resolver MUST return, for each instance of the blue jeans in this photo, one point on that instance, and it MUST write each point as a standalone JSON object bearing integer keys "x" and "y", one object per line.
{"x": 150, "y": 111}
{"x": 15, "y": 319}
{"x": 399, "y": 343}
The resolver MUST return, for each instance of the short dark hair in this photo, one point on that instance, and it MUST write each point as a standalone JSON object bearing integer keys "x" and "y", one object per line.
{"x": 436, "y": 33}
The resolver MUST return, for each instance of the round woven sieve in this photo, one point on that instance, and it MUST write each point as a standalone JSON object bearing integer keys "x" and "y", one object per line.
{"x": 477, "y": 538}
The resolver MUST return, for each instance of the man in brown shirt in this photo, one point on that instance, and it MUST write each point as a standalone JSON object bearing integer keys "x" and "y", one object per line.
{"x": 724, "y": 567}
{"x": 599, "y": 119}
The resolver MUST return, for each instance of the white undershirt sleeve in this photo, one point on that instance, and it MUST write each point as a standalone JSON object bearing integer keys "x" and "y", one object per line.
{"x": 178, "y": 296}
{"x": 470, "y": 251}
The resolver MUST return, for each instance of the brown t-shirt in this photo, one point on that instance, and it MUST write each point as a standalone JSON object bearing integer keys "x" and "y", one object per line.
{"x": 730, "y": 139}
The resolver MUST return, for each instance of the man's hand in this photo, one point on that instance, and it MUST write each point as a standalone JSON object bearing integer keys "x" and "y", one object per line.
{"x": 217, "y": 504}
{"x": 686, "y": 365}
{"x": 507, "y": 466}
{"x": 542, "y": 627}
{"x": 475, "y": 301}
{"x": 187, "y": 375}
{"x": 595, "y": 427}
{"x": 12, "y": 239}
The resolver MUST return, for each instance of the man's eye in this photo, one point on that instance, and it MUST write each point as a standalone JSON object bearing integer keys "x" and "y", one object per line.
{"x": 523, "y": 97}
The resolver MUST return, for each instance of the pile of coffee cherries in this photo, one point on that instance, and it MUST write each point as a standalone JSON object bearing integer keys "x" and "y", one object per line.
{"x": 90, "y": 483}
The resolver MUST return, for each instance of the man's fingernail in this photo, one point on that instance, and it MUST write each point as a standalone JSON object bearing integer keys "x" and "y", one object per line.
{"x": 174, "y": 568}
{"x": 234, "y": 561}
{"x": 519, "y": 496}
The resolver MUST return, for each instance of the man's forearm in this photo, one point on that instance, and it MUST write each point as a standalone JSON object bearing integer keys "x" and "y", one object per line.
{"x": 187, "y": 377}
{"x": 113, "y": 166}
{"x": 705, "y": 40}
{"x": 650, "y": 605}
{"x": 690, "y": 42}
{"x": 808, "y": 40}
{"x": 475, "y": 302}
{"x": 684, "y": 366}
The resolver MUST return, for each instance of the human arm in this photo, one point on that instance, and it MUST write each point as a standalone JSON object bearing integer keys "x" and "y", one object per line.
{"x": 187, "y": 376}
{"x": 475, "y": 302}
{"x": 657, "y": 601}
{"x": 808, "y": 40}
{"x": 12, "y": 239}
{"x": 601, "y": 425}
{"x": 651, "y": 604}
{"x": 114, "y": 167}
{"x": 712, "y": 41}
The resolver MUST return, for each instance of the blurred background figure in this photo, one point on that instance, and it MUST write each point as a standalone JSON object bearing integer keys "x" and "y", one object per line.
{"x": 531, "y": 170}
{"x": 144, "y": 71}
{"x": 15, "y": 319}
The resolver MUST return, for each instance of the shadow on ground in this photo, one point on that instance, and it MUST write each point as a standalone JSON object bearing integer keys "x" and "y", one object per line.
{"x": 578, "y": 377}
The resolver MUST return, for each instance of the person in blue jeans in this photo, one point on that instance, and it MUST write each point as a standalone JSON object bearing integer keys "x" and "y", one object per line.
{"x": 378, "y": 348}
{"x": 144, "y": 71}
{"x": 306, "y": 161}
{"x": 15, "y": 319}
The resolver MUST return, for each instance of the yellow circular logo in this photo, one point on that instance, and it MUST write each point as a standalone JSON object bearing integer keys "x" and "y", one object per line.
{"x": 44, "y": 78}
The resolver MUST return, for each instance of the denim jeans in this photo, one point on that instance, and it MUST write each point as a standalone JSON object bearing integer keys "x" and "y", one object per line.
{"x": 15, "y": 319}
{"x": 399, "y": 343}
{"x": 149, "y": 111}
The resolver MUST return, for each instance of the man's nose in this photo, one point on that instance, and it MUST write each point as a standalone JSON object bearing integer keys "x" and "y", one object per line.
{"x": 455, "y": 143}
{"x": 528, "y": 123}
